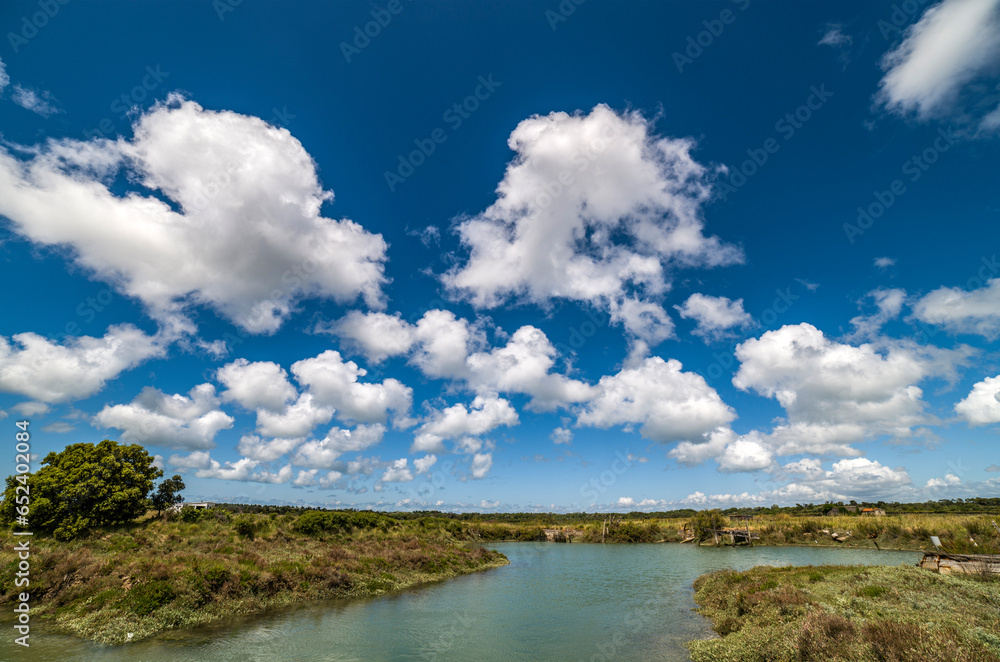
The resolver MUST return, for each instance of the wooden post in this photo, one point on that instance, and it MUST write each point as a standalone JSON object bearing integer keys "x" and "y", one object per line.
{"x": 749, "y": 539}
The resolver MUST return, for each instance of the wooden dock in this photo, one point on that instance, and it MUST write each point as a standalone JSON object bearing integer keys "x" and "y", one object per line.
{"x": 969, "y": 564}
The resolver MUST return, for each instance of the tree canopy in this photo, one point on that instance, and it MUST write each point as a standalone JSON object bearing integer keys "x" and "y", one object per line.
{"x": 85, "y": 486}
{"x": 167, "y": 494}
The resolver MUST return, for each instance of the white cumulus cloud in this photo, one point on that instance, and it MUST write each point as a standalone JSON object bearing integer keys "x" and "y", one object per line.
{"x": 982, "y": 405}
{"x": 39, "y": 368}
{"x": 714, "y": 315}
{"x": 459, "y": 422}
{"x": 591, "y": 209}
{"x": 245, "y": 236}
{"x": 257, "y": 385}
{"x": 835, "y": 393}
{"x": 960, "y": 311}
{"x": 325, "y": 453}
{"x": 670, "y": 404}
{"x": 398, "y": 472}
{"x": 174, "y": 421}
{"x": 481, "y": 463}
{"x": 333, "y": 382}
{"x": 295, "y": 420}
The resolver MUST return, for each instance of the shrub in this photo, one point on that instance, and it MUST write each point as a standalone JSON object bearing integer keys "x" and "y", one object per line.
{"x": 823, "y": 635}
{"x": 220, "y": 515}
{"x": 246, "y": 526}
{"x": 633, "y": 532}
{"x": 316, "y": 522}
{"x": 147, "y": 598}
{"x": 705, "y": 521}
{"x": 191, "y": 514}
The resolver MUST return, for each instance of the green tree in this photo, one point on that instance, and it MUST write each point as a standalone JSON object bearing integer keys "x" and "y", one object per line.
{"x": 707, "y": 520}
{"x": 84, "y": 487}
{"x": 167, "y": 494}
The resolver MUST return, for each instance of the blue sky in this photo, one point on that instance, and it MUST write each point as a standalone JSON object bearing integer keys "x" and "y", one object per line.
{"x": 508, "y": 256}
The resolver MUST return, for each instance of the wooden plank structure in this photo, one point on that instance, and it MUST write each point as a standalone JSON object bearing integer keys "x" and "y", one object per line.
{"x": 736, "y": 536}
{"x": 970, "y": 564}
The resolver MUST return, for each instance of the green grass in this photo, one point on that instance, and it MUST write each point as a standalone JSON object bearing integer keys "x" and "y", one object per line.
{"x": 848, "y": 614}
{"x": 157, "y": 575}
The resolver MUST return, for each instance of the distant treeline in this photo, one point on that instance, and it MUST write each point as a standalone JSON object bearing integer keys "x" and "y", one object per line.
{"x": 969, "y": 506}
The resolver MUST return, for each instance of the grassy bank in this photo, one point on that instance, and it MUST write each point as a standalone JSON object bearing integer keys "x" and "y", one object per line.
{"x": 857, "y": 614}
{"x": 970, "y": 534}
{"x": 157, "y": 575}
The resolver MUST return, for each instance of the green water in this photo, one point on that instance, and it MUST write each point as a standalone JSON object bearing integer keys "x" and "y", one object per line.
{"x": 590, "y": 603}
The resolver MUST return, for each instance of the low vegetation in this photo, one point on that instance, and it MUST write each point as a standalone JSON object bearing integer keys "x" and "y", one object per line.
{"x": 966, "y": 534}
{"x": 848, "y": 613}
{"x": 199, "y": 566}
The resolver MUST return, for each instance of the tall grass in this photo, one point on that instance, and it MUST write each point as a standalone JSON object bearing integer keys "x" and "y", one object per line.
{"x": 166, "y": 573}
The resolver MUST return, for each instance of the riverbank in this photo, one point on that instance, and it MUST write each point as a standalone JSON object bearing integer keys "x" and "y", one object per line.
{"x": 203, "y": 566}
{"x": 968, "y": 534}
{"x": 136, "y": 581}
{"x": 848, "y": 613}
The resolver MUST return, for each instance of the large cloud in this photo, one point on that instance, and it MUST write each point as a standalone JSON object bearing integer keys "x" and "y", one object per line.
{"x": 325, "y": 453}
{"x": 670, "y": 404}
{"x": 523, "y": 365}
{"x": 241, "y": 229}
{"x": 257, "y": 385}
{"x": 263, "y": 450}
{"x": 333, "y": 382}
{"x": 397, "y": 472}
{"x": 953, "y": 43}
{"x": 835, "y": 393}
{"x": 591, "y": 209}
{"x": 376, "y": 335}
{"x": 443, "y": 346}
{"x": 855, "y": 478}
{"x": 174, "y": 421}
{"x": 35, "y": 366}
{"x": 734, "y": 453}
{"x": 982, "y": 405}
{"x": 465, "y": 424}
{"x": 296, "y": 420}
{"x": 438, "y": 343}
